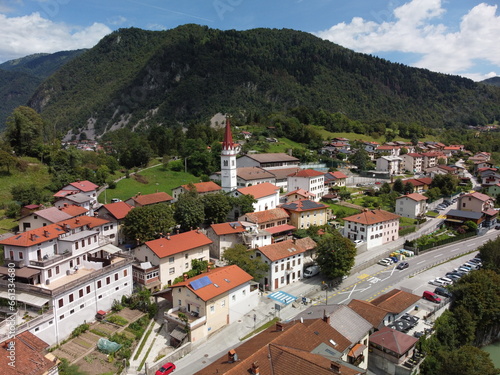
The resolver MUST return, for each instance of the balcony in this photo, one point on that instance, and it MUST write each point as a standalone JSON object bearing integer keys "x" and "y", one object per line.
{"x": 17, "y": 263}
{"x": 49, "y": 260}
{"x": 193, "y": 318}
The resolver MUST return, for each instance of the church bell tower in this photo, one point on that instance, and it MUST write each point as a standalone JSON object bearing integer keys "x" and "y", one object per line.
{"x": 228, "y": 160}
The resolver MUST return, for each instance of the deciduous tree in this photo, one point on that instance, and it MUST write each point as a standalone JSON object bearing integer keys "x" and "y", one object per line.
{"x": 239, "y": 255}
{"x": 335, "y": 255}
{"x": 146, "y": 223}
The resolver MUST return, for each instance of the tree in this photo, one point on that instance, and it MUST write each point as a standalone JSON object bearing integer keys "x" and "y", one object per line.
{"x": 360, "y": 159}
{"x": 7, "y": 160}
{"x": 24, "y": 132}
{"x": 148, "y": 222}
{"x": 27, "y": 194}
{"x": 335, "y": 255}
{"x": 189, "y": 211}
{"x": 239, "y": 255}
{"x": 217, "y": 207}
{"x": 385, "y": 188}
{"x": 398, "y": 186}
{"x": 243, "y": 204}
{"x": 475, "y": 360}
{"x": 490, "y": 255}
{"x": 408, "y": 188}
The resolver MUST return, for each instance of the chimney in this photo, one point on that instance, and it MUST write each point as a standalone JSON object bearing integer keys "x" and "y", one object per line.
{"x": 77, "y": 221}
{"x": 232, "y": 356}
{"x": 45, "y": 233}
{"x": 326, "y": 318}
{"x": 32, "y": 236}
{"x": 198, "y": 230}
{"x": 65, "y": 205}
{"x": 168, "y": 235}
{"x": 208, "y": 267}
{"x": 335, "y": 367}
{"x": 279, "y": 327}
{"x": 185, "y": 276}
{"x": 255, "y": 368}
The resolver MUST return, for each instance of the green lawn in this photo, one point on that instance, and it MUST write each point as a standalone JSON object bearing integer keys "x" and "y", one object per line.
{"x": 149, "y": 181}
{"x": 327, "y": 135}
{"x": 341, "y": 211}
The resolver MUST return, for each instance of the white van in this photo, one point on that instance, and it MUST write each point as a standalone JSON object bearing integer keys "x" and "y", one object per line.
{"x": 311, "y": 271}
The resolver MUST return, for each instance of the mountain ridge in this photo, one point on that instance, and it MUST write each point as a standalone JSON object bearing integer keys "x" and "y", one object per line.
{"x": 136, "y": 78}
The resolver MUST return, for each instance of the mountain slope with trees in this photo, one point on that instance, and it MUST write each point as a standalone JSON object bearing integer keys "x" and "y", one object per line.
{"x": 19, "y": 78}
{"x": 139, "y": 78}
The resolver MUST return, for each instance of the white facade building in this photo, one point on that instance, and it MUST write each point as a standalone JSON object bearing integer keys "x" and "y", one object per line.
{"x": 266, "y": 194}
{"x": 411, "y": 205}
{"x": 309, "y": 180}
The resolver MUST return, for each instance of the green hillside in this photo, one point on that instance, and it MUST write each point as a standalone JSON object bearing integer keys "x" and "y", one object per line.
{"x": 191, "y": 72}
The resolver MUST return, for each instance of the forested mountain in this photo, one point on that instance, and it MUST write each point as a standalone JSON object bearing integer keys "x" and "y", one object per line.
{"x": 136, "y": 77}
{"x": 495, "y": 81}
{"x": 19, "y": 78}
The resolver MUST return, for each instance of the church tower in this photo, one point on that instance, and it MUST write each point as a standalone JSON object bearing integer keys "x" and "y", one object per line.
{"x": 228, "y": 160}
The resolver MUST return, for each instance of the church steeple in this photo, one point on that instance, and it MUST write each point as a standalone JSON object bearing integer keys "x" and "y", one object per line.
{"x": 228, "y": 160}
{"x": 228, "y": 137}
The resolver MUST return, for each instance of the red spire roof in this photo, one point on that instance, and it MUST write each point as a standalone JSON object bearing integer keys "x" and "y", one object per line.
{"x": 228, "y": 143}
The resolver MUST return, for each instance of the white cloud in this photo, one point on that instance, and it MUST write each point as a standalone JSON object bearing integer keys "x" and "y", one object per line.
{"x": 417, "y": 27}
{"x": 33, "y": 34}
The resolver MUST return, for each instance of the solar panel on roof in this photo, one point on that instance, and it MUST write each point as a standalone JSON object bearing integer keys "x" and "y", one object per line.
{"x": 200, "y": 283}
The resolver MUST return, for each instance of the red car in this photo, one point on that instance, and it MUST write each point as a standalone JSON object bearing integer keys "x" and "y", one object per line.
{"x": 167, "y": 368}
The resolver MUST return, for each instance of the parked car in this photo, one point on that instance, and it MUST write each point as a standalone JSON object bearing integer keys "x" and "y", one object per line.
{"x": 402, "y": 265}
{"x": 430, "y": 296}
{"x": 443, "y": 292}
{"x": 439, "y": 282}
{"x": 473, "y": 266}
{"x": 447, "y": 279}
{"x": 311, "y": 271}
{"x": 476, "y": 261}
{"x": 167, "y": 368}
{"x": 453, "y": 276}
{"x": 394, "y": 259}
{"x": 463, "y": 269}
{"x": 115, "y": 200}
{"x": 385, "y": 262}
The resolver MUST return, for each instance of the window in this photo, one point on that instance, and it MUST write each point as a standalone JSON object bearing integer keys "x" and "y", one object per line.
{"x": 72, "y": 311}
{"x": 108, "y": 280}
{"x": 71, "y": 298}
{"x": 82, "y": 306}
{"x": 185, "y": 256}
{"x": 282, "y": 266}
{"x": 124, "y": 273}
{"x": 223, "y": 302}
{"x": 49, "y": 273}
{"x": 99, "y": 297}
{"x": 20, "y": 255}
{"x": 57, "y": 270}
{"x": 71, "y": 264}
{"x": 186, "y": 265}
{"x": 80, "y": 293}
{"x": 234, "y": 297}
{"x": 99, "y": 284}
{"x": 61, "y": 317}
{"x": 212, "y": 308}
{"x": 171, "y": 260}
{"x": 276, "y": 269}
{"x": 83, "y": 243}
{"x": 171, "y": 270}
{"x": 61, "y": 302}
{"x": 116, "y": 277}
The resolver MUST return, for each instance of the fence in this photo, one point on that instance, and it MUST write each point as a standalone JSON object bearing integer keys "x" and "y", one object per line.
{"x": 446, "y": 241}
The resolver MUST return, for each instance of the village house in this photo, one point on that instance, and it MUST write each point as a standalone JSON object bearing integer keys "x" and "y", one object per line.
{"x": 488, "y": 177}
{"x": 202, "y": 188}
{"x": 146, "y": 275}
{"x": 47, "y": 216}
{"x": 70, "y": 269}
{"x": 285, "y": 260}
{"x": 274, "y": 222}
{"x": 297, "y": 195}
{"x": 392, "y": 165}
{"x": 281, "y": 176}
{"x": 412, "y": 162}
{"x": 309, "y": 180}
{"x": 493, "y": 190}
{"x": 78, "y": 199}
{"x": 115, "y": 213}
{"x": 173, "y": 254}
{"x": 481, "y": 165}
{"x": 411, "y": 205}
{"x": 83, "y": 187}
{"x": 31, "y": 356}
{"x": 388, "y": 150}
{"x": 349, "y": 324}
{"x": 476, "y": 202}
{"x": 335, "y": 179}
{"x": 210, "y": 301}
{"x": 248, "y": 176}
{"x": 310, "y": 346}
{"x": 268, "y": 161}
{"x": 142, "y": 200}
{"x": 304, "y": 213}
{"x": 267, "y": 195}
{"x": 420, "y": 185}
{"x": 375, "y": 227}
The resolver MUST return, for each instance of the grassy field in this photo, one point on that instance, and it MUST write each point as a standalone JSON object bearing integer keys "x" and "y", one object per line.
{"x": 36, "y": 173}
{"x": 353, "y": 136}
{"x": 148, "y": 181}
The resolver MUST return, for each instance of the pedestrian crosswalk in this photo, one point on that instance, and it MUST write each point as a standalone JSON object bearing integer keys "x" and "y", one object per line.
{"x": 282, "y": 297}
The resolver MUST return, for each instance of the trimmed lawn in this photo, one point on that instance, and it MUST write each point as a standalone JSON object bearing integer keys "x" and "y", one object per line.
{"x": 147, "y": 182}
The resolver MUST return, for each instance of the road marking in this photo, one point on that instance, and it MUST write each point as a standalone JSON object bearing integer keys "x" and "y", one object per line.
{"x": 469, "y": 245}
{"x": 420, "y": 262}
{"x": 363, "y": 276}
{"x": 437, "y": 256}
{"x": 454, "y": 250}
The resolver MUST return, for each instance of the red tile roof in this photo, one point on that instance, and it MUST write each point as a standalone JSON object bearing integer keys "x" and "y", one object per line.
{"x": 280, "y": 228}
{"x": 393, "y": 340}
{"x": 260, "y": 190}
{"x": 84, "y": 186}
{"x": 301, "y": 192}
{"x": 222, "y": 279}
{"x": 480, "y": 196}
{"x": 396, "y": 301}
{"x": 338, "y": 174}
{"x": 227, "y": 228}
{"x": 372, "y": 217}
{"x": 52, "y": 231}
{"x": 154, "y": 198}
{"x": 203, "y": 187}
{"x": 74, "y": 210}
{"x": 373, "y": 314}
{"x": 415, "y": 196}
{"x": 30, "y": 356}
{"x": 306, "y": 173}
{"x": 164, "y": 247}
{"x": 118, "y": 209}
{"x": 266, "y": 216}
{"x": 281, "y": 250}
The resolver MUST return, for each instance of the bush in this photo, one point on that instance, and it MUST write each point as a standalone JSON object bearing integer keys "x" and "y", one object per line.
{"x": 82, "y": 328}
{"x": 117, "y": 306}
{"x": 111, "y": 184}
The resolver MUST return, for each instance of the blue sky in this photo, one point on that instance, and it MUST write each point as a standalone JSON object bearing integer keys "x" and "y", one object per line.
{"x": 454, "y": 37}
